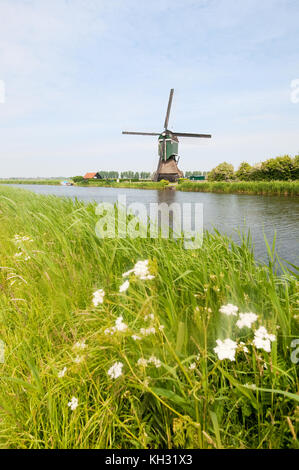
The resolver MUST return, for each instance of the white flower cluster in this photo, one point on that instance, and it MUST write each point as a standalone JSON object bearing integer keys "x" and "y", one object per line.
{"x": 226, "y": 349}
{"x": 148, "y": 331}
{"x": 246, "y": 320}
{"x": 262, "y": 339}
{"x": 229, "y": 310}
{"x": 119, "y": 326}
{"x": 152, "y": 360}
{"x": 115, "y": 371}
{"x": 98, "y": 297}
{"x": 78, "y": 359}
{"x": 73, "y": 403}
{"x": 140, "y": 270}
{"x": 18, "y": 239}
{"x": 150, "y": 316}
{"x": 136, "y": 337}
{"x": 80, "y": 345}
{"x": 19, "y": 254}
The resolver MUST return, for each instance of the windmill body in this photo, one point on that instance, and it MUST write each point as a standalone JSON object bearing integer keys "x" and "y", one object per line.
{"x": 168, "y": 148}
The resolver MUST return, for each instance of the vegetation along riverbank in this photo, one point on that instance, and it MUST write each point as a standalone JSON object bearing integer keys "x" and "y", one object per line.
{"x": 277, "y": 188}
{"x": 280, "y": 188}
{"x": 121, "y": 343}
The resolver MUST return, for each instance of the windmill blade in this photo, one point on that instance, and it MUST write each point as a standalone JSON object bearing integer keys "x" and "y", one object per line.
{"x": 140, "y": 133}
{"x": 168, "y": 108}
{"x": 183, "y": 134}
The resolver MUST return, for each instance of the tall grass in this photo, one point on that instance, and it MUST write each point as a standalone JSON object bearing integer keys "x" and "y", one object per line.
{"x": 46, "y": 307}
{"x": 124, "y": 184}
{"x": 33, "y": 181}
{"x": 280, "y": 188}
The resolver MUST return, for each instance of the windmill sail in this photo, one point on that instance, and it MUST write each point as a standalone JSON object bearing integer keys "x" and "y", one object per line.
{"x": 168, "y": 108}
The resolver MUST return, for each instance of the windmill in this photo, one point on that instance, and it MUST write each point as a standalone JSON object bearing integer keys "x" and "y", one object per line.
{"x": 168, "y": 147}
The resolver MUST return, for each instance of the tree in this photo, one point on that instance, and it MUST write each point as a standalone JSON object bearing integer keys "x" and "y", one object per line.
{"x": 77, "y": 179}
{"x": 279, "y": 168}
{"x": 222, "y": 172}
{"x": 295, "y": 170}
{"x": 244, "y": 172}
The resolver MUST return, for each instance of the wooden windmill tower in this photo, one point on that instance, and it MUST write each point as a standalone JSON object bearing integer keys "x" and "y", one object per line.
{"x": 168, "y": 147}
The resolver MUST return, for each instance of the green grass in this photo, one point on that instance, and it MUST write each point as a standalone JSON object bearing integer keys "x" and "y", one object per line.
{"x": 34, "y": 181}
{"x": 46, "y": 307}
{"x": 280, "y": 188}
{"x": 124, "y": 184}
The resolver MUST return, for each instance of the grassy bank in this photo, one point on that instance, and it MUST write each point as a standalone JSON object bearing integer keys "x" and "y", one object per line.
{"x": 279, "y": 188}
{"x": 56, "y": 384}
{"x": 34, "y": 181}
{"x": 123, "y": 184}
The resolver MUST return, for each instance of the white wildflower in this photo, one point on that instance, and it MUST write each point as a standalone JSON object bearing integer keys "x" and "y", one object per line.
{"x": 73, "y": 403}
{"x": 142, "y": 362}
{"x": 243, "y": 347}
{"x": 229, "y": 310}
{"x": 78, "y": 359}
{"x": 62, "y": 372}
{"x": 136, "y": 337}
{"x": 226, "y": 349}
{"x": 115, "y": 371}
{"x": 154, "y": 360}
{"x": 192, "y": 366}
{"x": 17, "y": 239}
{"x": 262, "y": 339}
{"x": 98, "y": 297}
{"x": 124, "y": 287}
{"x": 147, "y": 331}
{"x": 80, "y": 345}
{"x": 161, "y": 327}
{"x": 120, "y": 325}
{"x": 150, "y": 316}
{"x": 246, "y": 319}
{"x": 110, "y": 331}
{"x": 140, "y": 270}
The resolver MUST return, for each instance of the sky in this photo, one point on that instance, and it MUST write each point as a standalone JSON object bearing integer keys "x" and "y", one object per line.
{"x": 76, "y": 73}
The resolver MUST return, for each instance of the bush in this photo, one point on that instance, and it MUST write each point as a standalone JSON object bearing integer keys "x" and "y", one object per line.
{"x": 279, "y": 168}
{"x": 78, "y": 179}
{"x": 222, "y": 172}
{"x": 244, "y": 172}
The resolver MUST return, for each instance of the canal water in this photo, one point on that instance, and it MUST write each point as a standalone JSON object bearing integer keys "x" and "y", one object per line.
{"x": 228, "y": 213}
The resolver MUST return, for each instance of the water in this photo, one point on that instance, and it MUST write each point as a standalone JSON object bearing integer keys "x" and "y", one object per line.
{"x": 263, "y": 215}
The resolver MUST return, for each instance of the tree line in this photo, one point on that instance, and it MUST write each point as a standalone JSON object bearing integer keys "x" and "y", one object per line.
{"x": 283, "y": 168}
{"x": 114, "y": 175}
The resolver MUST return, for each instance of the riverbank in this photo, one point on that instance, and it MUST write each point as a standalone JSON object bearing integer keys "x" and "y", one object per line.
{"x": 270, "y": 188}
{"x": 124, "y": 184}
{"x": 137, "y": 368}
{"x": 51, "y": 182}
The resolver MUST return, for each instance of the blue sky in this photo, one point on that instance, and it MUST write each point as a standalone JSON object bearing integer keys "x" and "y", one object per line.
{"x": 78, "y": 72}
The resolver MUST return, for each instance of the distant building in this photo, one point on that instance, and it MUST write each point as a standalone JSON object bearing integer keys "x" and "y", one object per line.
{"x": 197, "y": 178}
{"x": 92, "y": 176}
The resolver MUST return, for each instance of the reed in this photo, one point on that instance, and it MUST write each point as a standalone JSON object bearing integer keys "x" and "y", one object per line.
{"x": 277, "y": 188}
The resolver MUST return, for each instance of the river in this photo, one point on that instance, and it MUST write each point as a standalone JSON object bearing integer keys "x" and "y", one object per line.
{"x": 263, "y": 215}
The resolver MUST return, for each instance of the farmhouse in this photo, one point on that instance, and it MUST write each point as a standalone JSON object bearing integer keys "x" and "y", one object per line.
{"x": 92, "y": 176}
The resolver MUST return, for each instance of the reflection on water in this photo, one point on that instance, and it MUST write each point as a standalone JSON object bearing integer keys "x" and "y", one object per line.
{"x": 263, "y": 215}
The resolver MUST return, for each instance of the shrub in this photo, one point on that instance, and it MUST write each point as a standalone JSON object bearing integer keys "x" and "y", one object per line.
{"x": 78, "y": 179}
{"x": 244, "y": 172}
{"x": 222, "y": 172}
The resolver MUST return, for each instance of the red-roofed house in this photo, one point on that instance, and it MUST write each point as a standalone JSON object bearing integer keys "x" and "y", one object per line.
{"x": 92, "y": 176}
